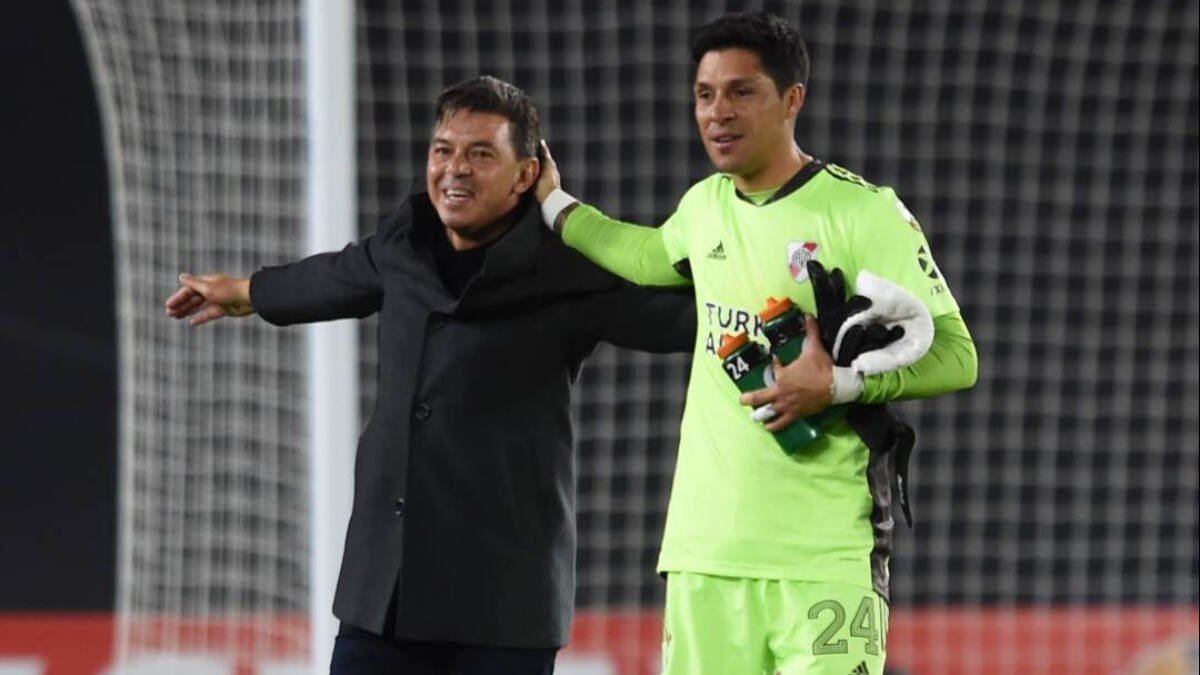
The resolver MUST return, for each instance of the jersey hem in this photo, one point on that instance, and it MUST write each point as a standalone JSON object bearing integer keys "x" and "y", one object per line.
{"x": 756, "y": 572}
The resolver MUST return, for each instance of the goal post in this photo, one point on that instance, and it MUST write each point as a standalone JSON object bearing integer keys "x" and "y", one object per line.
{"x": 332, "y": 221}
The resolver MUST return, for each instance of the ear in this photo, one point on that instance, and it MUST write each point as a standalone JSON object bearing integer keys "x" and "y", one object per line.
{"x": 527, "y": 174}
{"x": 794, "y": 100}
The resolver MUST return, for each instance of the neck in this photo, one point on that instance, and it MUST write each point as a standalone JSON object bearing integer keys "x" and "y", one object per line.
{"x": 465, "y": 240}
{"x": 776, "y": 172}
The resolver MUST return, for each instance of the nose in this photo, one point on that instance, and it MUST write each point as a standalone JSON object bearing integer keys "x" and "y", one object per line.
{"x": 459, "y": 166}
{"x": 721, "y": 110}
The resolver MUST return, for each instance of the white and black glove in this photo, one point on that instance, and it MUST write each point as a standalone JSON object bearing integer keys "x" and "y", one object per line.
{"x": 881, "y": 328}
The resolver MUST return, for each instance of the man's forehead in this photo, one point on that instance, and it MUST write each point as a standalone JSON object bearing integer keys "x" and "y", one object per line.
{"x": 724, "y": 66}
{"x": 472, "y": 126}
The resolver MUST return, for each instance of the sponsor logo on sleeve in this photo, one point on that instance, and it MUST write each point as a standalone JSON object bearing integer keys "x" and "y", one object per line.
{"x": 925, "y": 261}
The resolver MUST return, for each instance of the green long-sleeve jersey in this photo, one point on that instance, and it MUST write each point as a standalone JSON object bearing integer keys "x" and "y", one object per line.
{"x": 739, "y": 506}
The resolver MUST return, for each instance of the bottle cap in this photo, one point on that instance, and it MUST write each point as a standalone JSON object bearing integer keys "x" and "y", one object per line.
{"x": 775, "y": 308}
{"x": 732, "y": 343}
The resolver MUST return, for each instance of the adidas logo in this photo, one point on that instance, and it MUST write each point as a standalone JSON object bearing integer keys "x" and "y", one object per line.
{"x": 861, "y": 669}
{"x": 717, "y": 253}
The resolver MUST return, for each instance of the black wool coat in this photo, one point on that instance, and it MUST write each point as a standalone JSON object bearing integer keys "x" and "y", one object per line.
{"x": 464, "y": 497}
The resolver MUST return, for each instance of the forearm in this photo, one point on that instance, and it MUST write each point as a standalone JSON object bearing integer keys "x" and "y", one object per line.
{"x": 633, "y": 252}
{"x": 323, "y": 287}
{"x": 659, "y": 321}
{"x": 951, "y": 364}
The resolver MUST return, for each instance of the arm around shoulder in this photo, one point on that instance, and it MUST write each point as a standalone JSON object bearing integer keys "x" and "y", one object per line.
{"x": 633, "y": 252}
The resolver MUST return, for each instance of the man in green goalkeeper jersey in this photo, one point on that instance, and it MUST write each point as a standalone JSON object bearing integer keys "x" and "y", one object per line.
{"x": 775, "y": 562}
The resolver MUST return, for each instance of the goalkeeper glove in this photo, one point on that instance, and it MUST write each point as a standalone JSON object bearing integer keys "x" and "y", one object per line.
{"x": 833, "y": 308}
{"x": 879, "y": 329}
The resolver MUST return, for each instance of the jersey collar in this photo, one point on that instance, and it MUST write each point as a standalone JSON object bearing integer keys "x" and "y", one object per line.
{"x": 794, "y": 183}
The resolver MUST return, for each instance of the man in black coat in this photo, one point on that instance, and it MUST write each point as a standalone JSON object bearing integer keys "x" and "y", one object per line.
{"x": 460, "y": 551}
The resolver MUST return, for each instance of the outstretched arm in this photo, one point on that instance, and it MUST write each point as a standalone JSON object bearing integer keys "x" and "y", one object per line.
{"x": 323, "y": 287}
{"x": 338, "y": 285}
{"x": 342, "y": 284}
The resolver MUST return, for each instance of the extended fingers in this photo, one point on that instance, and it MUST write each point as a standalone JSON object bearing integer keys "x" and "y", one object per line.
{"x": 179, "y": 298}
{"x": 207, "y": 314}
{"x": 184, "y": 302}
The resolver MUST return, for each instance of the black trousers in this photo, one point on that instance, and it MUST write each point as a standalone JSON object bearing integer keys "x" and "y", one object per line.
{"x": 359, "y": 652}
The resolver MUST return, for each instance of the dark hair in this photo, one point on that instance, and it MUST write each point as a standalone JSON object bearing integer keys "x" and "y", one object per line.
{"x": 488, "y": 94}
{"x": 776, "y": 41}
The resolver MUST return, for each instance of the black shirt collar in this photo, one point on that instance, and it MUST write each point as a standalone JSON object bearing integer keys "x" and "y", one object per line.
{"x": 512, "y": 252}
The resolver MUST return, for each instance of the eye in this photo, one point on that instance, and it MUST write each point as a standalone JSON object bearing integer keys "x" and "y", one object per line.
{"x": 704, "y": 96}
{"x": 440, "y": 151}
{"x": 481, "y": 153}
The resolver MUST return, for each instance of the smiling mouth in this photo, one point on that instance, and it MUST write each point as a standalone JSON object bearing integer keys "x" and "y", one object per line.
{"x": 456, "y": 195}
{"x": 724, "y": 141}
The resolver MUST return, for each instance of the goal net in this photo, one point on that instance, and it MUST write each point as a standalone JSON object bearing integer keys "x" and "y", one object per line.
{"x": 1048, "y": 149}
{"x": 202, "y": 106}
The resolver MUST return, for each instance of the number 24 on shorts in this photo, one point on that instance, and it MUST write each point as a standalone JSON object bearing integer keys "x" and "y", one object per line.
{"x": 866, "y": 624}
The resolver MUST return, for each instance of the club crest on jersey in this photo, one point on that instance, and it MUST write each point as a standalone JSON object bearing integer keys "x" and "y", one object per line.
{"x": 799, "y": 253}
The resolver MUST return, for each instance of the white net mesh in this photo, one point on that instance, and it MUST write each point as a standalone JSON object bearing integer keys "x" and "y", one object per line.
{"x": 1049, "y": 149}
{"x": 203, "y": 115}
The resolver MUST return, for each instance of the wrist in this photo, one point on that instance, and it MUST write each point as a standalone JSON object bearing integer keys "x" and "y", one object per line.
{"x": 845, "y": 386}
{"x": 554, "y": 206}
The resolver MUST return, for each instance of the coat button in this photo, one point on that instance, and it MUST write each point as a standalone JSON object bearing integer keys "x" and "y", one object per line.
{"x": 438, "y": 321}
{"x": 422, "y": 412}
{"x": 399, "y": 506}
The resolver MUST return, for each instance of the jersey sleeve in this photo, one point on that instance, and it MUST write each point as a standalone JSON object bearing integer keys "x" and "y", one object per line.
{"x": 888, "y": 241}
{"x": 646, "y": 256}
{"x": 951, "y": 364}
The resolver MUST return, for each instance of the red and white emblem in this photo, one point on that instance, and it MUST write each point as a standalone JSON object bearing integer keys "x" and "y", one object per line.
{"x": 799, "y": 253}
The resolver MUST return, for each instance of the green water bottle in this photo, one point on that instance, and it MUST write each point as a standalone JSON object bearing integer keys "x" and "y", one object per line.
{"x": 783, "y": 324}
{"x": 747, "y": 364}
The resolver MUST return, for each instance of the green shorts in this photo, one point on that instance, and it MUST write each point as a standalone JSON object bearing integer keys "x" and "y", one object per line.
{"x": 731, "y": 626}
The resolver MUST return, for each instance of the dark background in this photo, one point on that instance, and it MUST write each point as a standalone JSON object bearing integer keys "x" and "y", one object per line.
{"x": 57, "y": 331}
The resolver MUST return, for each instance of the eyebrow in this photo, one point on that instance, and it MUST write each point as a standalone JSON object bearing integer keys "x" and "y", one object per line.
{"x": 730, "y": 83}
{"x": 473, "y": 144}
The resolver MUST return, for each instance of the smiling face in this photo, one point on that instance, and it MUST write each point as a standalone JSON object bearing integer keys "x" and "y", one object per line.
{"x": 746, "y": 124}
{"x": 474, "y": 176}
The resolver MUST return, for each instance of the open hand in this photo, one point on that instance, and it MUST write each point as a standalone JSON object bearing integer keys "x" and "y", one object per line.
{"x": 210, "y": 297}
{"x": 548, "y": 179}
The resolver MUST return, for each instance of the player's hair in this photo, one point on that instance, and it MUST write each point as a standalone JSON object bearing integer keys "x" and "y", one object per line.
{"x": 777, "y": 42}
{"x": 489, "y": 94}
